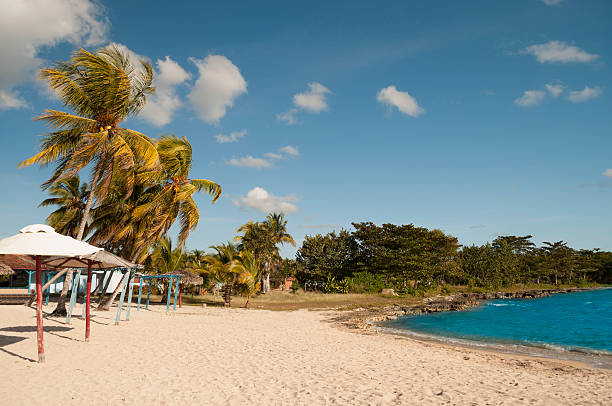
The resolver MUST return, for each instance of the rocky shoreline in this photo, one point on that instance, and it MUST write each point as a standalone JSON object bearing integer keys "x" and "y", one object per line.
{"x": 367, "y": 318}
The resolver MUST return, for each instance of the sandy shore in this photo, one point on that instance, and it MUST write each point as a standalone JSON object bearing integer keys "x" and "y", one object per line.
{"x": 219, "y": 357}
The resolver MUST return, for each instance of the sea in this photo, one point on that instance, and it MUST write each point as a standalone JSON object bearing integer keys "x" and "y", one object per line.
{"x": 574, "y": 326}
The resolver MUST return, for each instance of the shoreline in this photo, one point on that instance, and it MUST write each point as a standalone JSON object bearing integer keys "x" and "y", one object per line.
{"x": 369, "y": 319}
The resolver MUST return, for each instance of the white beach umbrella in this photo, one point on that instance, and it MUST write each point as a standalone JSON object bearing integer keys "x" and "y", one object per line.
{"x": 43, "y": 243}
{"x": 40, "y": 239}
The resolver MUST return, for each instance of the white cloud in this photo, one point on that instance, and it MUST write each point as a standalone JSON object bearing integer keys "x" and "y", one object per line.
{"x": 555, "y": 90}
{"x": 588, "y": 93}
{"x": 26, "y": 27}
{"x": 219, "y": 84}
{"x": 289, "y": 150}
{"x": 530, "y": 98}
{"x": 274, "y": 155}
{"x": 404, "y": 102}
{"x": 288, "y": 117}
{"x": 250, "y": 162}
{"x": 260, "y": 199}
{"x": 234, "y": 136}
{"x": 608, "y": 173}
{"x": 551, "y": 2}
{"x": 313, "y": 101}
{"x": 161, "y": 107}
{"x": 557, "y": 51}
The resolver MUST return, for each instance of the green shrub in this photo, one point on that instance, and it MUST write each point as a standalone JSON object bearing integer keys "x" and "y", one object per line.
{"x": 365, "y": 282}
{"x": 333, "y": 286}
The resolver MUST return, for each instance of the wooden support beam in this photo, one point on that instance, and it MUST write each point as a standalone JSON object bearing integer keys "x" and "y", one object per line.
{"x": 48, "y": 289}
{"x": 87, "y": 300}
{"x": 73, "y": 295}
{"x": 139, "y": 291}
{"x": 176, "y": 289}
{"x": 39, "y": 319}
{"x": 129, "y": 301}
{"x": 126, "y": 278}
{"x": 149, "y": 292}
{"x": 168, "y": 296}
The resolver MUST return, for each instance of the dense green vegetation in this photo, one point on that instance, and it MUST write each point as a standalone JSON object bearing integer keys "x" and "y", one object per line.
{"x": 411, "y": 259}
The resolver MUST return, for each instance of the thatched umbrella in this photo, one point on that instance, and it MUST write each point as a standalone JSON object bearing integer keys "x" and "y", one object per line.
{"x": 6, "y": 270}
{"x": 188, "y": 278}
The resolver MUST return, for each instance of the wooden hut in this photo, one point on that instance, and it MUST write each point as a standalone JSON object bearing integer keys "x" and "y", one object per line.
{"x": 188, "y": 278}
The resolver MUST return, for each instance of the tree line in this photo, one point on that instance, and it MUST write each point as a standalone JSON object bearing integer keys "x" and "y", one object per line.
{"x": 409, "y": 258}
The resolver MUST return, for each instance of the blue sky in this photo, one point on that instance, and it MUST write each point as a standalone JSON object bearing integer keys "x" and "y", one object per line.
{"x": 435, "y": 113}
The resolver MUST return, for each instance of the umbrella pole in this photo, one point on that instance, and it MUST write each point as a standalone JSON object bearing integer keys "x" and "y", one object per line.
{"x": 87, "y": 299}
{"x": 39, "y": 320}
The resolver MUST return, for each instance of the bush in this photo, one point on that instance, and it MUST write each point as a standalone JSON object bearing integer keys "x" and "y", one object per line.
{"x": 365, "y": 282}
{"x": 333, "y": 286}
{"x": 295, "y": 286}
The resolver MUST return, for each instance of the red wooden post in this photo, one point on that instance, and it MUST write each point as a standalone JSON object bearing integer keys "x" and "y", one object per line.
{"x": 39, "y": 320}
{"x": 87, "y": 300}
{"x": 180, "y": 295}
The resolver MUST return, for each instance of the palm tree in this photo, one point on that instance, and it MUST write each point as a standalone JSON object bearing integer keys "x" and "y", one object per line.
{"x": 263, "y": 239}
{"x": 70, "y": 195}
{"x": 222, "y": 266}
{"x": 247, "y": 278}
{"x": 171, "y": 191}
{"x": 102, "y": 89}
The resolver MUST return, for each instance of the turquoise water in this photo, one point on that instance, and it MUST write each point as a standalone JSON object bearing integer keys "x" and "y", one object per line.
{"x": 580, "y": 321}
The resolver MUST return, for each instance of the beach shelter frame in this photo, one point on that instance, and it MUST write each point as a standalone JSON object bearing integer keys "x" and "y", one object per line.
{"x": 150, "y": 278}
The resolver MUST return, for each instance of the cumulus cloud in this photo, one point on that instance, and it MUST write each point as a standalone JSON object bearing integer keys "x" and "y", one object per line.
{"x": 314, "y": 100}
{"x": 250, "y": 161}
{"x": 588, "y": 93}
{"x": 218, "y": 85}
{"x": 608, "y": 173}
{"x": 404, "y": 102}
{"x": 530, "y": 98}
{"x": 289, "y": 150}
{"x": 260, "y": 199}
{"x": 234, "y": 136}
{"x": 557, "y": 51}
{"x": 29, "y": 26}
{"x": 161, "y": 107}
{"x": 555, "y": 90}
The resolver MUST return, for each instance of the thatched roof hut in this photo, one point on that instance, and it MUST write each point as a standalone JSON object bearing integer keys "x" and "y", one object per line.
{"x": 190, "y": 278}
{"x": 5, "y": 270}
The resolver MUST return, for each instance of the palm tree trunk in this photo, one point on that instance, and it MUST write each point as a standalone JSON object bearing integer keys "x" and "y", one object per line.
{"x": 60, "y": 309}
{"x": 108, "y": 303}
{"x": 88, "y": 204}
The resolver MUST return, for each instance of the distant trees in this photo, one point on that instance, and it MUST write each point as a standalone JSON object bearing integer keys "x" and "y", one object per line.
{"x": 409, "y": 258}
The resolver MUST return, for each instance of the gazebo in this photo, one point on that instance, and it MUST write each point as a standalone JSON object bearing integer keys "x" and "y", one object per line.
{"x": 47, "y": 247}
{"x": 187, "y": 278}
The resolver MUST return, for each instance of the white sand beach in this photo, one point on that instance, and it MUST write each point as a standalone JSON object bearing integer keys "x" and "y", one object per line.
{"x": 219, "y": 356}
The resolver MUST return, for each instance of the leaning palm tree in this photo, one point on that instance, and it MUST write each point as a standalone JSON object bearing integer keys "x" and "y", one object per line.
{"x": 102, "y": 89}
{"x": 171, "y": 193}
{"x": 247, "y": 278}
{"x": 70, "y": 197}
